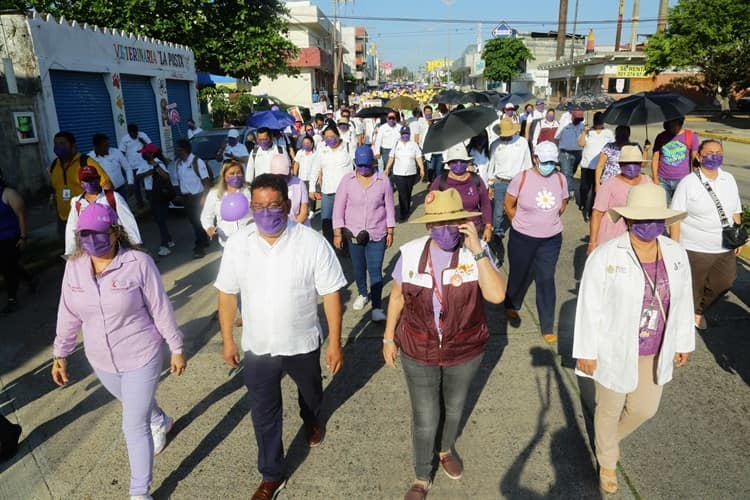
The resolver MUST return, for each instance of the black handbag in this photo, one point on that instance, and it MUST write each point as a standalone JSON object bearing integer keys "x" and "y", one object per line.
{"x": 362, "y": 238}
{"x": 732, "y": 235}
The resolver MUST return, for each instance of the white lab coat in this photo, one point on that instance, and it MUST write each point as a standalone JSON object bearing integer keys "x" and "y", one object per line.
{"x": 608, "y": 313}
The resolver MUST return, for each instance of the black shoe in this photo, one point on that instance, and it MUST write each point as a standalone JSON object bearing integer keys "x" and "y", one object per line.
{"x": 198, "y": 253}
{"x": 9, "y": 441}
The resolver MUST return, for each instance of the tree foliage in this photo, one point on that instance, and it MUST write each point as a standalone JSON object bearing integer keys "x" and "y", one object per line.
{"x": 242, "y": 38}
{"x": 504, "y": 58}
{"x": 401, "y": 74}
{"x": 712, "y": 36}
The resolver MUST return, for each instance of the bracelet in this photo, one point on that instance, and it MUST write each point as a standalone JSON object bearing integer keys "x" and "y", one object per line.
{"x": 388, "y": 341}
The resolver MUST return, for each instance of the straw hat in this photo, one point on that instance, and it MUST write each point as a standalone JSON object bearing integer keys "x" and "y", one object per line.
{"x": 647, "y": 202}
{"x": 631, "y": 154}
{"x": 506, "y": 128}
{"x": 440, "y": 206}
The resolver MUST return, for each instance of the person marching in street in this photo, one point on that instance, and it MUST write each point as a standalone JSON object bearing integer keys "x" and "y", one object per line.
{"x": 298, "y": 191}
{"x": 130, "y": 144}
{"x": 712, "y": 201}
{"x": 303, "y": 162}
{"x": 279, "y": 268}
{"x": 633, "y": 322}
{"x": 592, "y": 140}
{"x": 615, "y": 194}
{"x": 474, "y": 194}
{"x": 231, "y": 180}
{"x": 675, "y": 154}
{"x": 192, "y": 129}
{"x": 509, "y": 155}
{"x": 570, "y": 151}
{"x": 364, "y": 213}
{"x": 13, "y": 233}
{"x": 436, "y": 318}
{"x": 608, "y": 165}
{"x": 153, "y": 173}
{"x": 348, "y": 135}
{"x": 194, "y": 182}
{"x": 534, "y": 202}
{"x": 547, "y": 129}
{"x": 388, "y": 135}
{"x": 479, "y": 151}
{"x": 94, "y": 193}
{"x": 405, "y": 158}
{"x": 114, "y": 294}
{"x": 434, "y": 159}
{"x": 113, "y": 162}
{"x": 233, "y": 149}
{"x": 259, "y": 161}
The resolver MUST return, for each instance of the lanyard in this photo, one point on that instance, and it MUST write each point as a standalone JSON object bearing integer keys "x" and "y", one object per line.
{"x": 653, "y": 284}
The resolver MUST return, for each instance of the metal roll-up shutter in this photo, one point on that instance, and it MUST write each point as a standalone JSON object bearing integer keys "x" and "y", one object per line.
{"x": 178, "y": 92}
{"x": 140, "y": 105}
{"x": 83, "y": 106}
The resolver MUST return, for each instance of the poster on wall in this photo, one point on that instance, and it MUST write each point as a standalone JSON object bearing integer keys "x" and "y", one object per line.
{"x": 294, "y": 111}
{"x": 25, "y": 126}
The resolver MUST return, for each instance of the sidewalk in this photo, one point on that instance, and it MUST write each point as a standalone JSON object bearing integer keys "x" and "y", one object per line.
{"x": 735, "y": 129}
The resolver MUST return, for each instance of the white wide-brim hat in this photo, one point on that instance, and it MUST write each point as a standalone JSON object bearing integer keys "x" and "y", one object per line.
{"x": 647, "y": 202}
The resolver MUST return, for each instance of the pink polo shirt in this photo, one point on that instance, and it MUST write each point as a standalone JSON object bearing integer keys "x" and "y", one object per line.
{"x": 125, "y": 314}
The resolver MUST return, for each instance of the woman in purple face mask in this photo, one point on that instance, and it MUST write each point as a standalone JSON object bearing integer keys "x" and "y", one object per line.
{"x": 436, "y": 318}
{"x": 114, "y": 294}
{"x": 232, "y": 180}
{"x": 713, "y": 265}
{"x": 405, "y": 161}
{"x": 615, "y": 194}
{"x": 302, "y": 167}
{"x": 633, "y": 321}
{"x": 298, "y": 197}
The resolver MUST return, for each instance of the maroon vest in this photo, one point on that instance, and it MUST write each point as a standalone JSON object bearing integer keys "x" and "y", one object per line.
{"x": 465, "y": 332}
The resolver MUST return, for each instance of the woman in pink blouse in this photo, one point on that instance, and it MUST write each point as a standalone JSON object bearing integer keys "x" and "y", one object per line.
{"x": 115, "y": 296}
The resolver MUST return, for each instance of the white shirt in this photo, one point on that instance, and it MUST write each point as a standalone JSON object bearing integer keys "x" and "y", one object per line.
{"x": 191, "y": 133}
{"x": 334, "y": 164}
{"x": 369, "y": 126}
{"x": 700, "y": 231}
{"x": 418, "y": 129}
{"x": 508, "y": 159}
{"x": 305, "y": 160}
{"x": 239, "y": 150}
{"x": 608, "y": 314}
{"x": 482, "y": 164}
{"x": 387, "y": 136}
{"x": 405, "y": 156}
{"x": 594, "y": 144}
{"x": 259, "y": 161}
{"x": 279, "y": 286}
{"x": 124, "y": 217}
{"x": 211, "y": 215}
{"x": 565, "y": 119}
{"x": 148, "y": 182}
{"x": 349, "y": 138}
{"x": 114, "y": 163}
{"x": 129, "y": 147}
{"x": 189, "y": 182}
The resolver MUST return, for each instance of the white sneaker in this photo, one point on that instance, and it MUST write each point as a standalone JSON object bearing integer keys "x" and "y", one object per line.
{"x": 164, "y": 251}
{"x": 171, "y": 244}
{"x": 359, "y": 303}
{"x": 159, "y": 433}
{"x": 378, "y": 316}
{"x": 141, "y": 497}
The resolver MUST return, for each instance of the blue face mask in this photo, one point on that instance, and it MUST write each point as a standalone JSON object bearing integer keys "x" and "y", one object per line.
{"x": 547, "y": 168}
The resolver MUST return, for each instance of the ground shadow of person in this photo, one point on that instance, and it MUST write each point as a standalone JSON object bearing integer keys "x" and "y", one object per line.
{"x": 567, "y": 315}
{"x": 729, "y": 345}
{"x": 572, "y": 462}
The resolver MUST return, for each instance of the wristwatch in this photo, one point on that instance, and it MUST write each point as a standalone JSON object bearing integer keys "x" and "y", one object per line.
{"x": 481, "y": 254}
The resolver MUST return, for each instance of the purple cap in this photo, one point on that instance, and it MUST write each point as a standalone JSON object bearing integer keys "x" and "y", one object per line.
{"x": 97, "y": 217}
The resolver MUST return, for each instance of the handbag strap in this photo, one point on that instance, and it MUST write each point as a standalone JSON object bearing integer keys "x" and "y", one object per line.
{"x": 722, "y": 214}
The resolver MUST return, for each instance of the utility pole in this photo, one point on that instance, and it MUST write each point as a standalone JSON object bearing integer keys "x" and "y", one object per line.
{"x": 634, "y": 25}
{"x": 572, "y": 48}
{"x": 334, "y": 53}
{"x": 661, "y": 25}
{"x": 562, "y": 22}
{"x": 620, "y": 14}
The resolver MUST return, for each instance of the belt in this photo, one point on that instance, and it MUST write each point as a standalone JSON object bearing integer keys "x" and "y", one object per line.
{"x": 504, "y": 181}
{"x": 571, "y": 150}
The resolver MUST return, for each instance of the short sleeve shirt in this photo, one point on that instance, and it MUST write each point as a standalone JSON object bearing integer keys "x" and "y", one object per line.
{"x": 405, "y": 157}
{"x": 539, "y": 201}
{"x": 674, "y": 153}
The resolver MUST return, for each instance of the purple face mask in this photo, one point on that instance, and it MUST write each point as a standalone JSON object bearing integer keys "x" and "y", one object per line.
{"x": 630, "y": 170}
{"x": 428, "y": 116}
{"x": 264, "y": 143}
{"x": 331, "y": 142}
{"x": 236, "y": 181}
{"x": 62, "y": 151}
{"x": 365, "y": 170}
{"x": 405, "y": 137}
{"x": 307, "y": 146}
{"x": 647, "y": 230}
{"x": 96, "y": 244}
{"x": 270, "y": 221}
{"x": 91, "y": 187}
{"x": 459, "y": 167}
{"x": 446, "y": 237}
{"x": 712, "y": 162}
{"x": 391, "y": 121}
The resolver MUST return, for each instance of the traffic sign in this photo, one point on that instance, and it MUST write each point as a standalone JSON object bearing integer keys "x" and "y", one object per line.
{"x": 502, "y": 31}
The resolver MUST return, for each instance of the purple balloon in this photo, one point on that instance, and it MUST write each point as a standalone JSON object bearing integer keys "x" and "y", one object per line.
{"x": 234, "y": 207}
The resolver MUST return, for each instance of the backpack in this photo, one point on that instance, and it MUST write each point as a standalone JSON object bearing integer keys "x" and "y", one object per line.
{"x": 444, "y": 179}
{"x": 108, "y": 193}
{"x": 197, "y": 174}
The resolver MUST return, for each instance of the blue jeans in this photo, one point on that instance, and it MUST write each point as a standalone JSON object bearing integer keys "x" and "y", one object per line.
{"x": 569, "y": 161}
{"x": 669, "y": 186}
{"x": 385, "y": 153}
{"x": 498, "y": 210}
{"x": 436, "y": 166}
{"x": 368, "y": 259}
{"x": 534, "y": 259}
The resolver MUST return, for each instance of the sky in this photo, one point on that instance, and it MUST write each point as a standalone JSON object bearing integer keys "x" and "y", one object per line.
{"x": 412, "y": 43}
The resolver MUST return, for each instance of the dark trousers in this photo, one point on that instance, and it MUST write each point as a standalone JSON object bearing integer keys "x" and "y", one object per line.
{"x": 713, "y": 275}
{"x": 404, "y": 185}
{"x": 368, "y": 259}
{"x": 587, "y": 190}
{"x": 192, "y": 203}
{"x": 436, "y": 166}
{"x": 10, "y": 267}
{"x": 534, "y": 259}
{"x": 263, "y": 376}
{"x": 160, "y": 211}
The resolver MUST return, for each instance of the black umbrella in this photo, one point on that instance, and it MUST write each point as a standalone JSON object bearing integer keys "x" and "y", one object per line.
{"x": 373, "y": 112}
{"x": 514, "y": 99}
{"x": 477, "y": 97}
{"x": 449, "y": 96}
{"x": 648, "y": 107}
{"x": 457, "y": 126}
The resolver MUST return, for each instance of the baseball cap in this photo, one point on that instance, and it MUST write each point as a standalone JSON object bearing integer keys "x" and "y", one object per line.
{"x": 546, "y": 151}
{"x": 405, "y": 130}
{"x": 149, "y": 148}
{"x": 509, "y": 105}
{"x": 540, "y": 101}
{"x": 97, "y": 217}
{"x": 233, "y": 133}
{"x": 363, "y": 155}
{"x": 88, "y": 172}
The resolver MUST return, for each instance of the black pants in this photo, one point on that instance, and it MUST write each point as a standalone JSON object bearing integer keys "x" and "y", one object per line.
{"x": 587, "y": 190}
{"x": 192, "y": 203}
{"x": 404, "y": 185}
{"x": 10, "y": 267}
{"x": 160, "y": 212}
{"x": 263, "y": 376}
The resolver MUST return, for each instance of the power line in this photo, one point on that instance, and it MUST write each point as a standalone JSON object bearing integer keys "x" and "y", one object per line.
{"x": 474, "y": 21}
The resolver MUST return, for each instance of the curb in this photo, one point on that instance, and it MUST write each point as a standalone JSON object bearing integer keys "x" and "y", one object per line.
{"x": 723, "y": 137}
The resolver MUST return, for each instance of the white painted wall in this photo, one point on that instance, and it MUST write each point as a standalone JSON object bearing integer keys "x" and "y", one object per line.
{"x": 291, "y": 90}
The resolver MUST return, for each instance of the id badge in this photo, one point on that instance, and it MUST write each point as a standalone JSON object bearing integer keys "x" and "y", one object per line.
{"x": 66, "y": 194}
{"x": 649, "y": 319}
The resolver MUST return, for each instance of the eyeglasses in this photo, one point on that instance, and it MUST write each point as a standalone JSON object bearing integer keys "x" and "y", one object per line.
{"x": 391, "y": 117}
{"x": 271, "y": 206}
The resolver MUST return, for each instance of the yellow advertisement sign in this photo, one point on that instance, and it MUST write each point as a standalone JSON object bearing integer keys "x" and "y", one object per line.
{"x": 631, "y": 71}
{"x": 437, "y": 64}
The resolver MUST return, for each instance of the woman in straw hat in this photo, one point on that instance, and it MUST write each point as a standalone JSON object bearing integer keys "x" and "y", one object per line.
{"x": 634, "y": 321}
{"x": 615, "y": 194}
{"x": 436, "y": 317}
